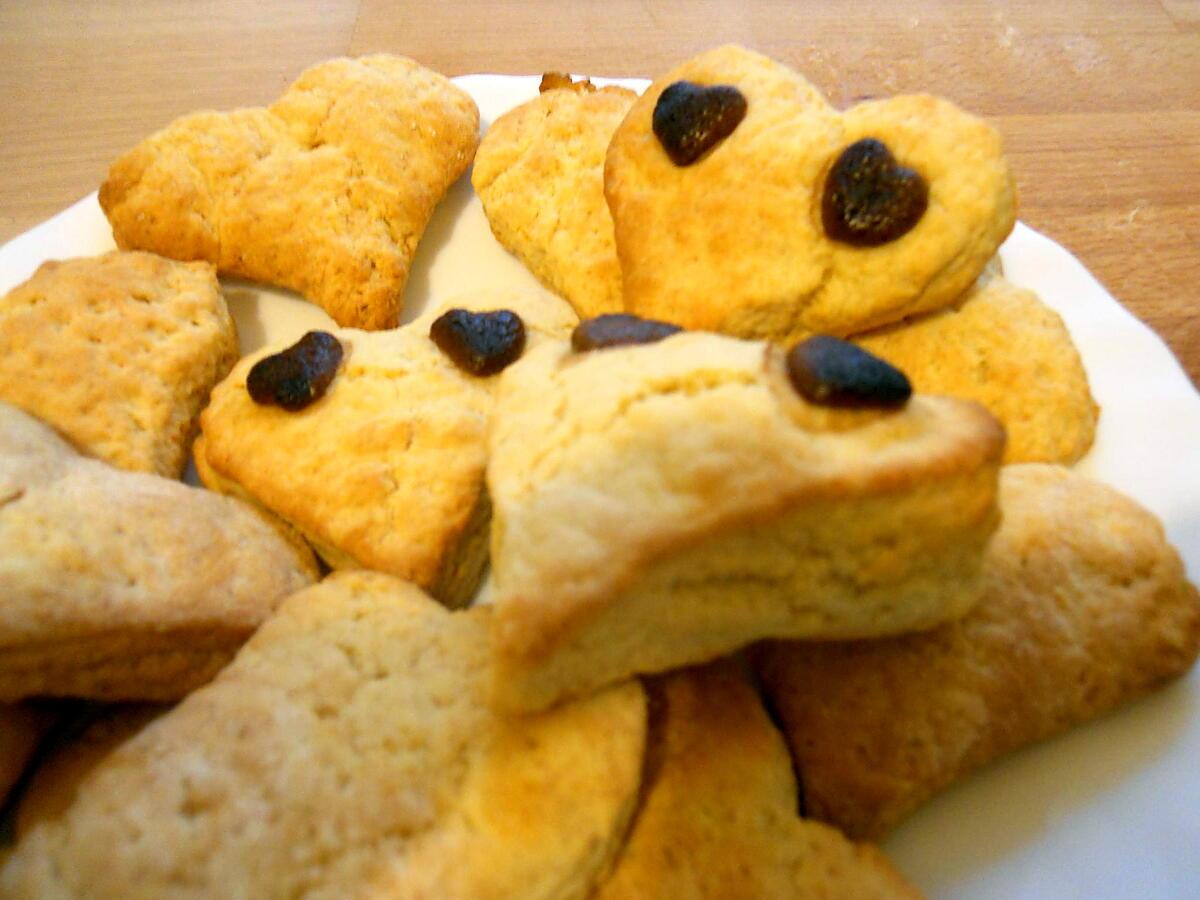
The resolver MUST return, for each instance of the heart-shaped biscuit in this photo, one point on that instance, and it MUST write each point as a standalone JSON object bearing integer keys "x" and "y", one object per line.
{"x": 385, "y": 471}
{"x": 801, "y": 219}
{"x": 326, "y": 191}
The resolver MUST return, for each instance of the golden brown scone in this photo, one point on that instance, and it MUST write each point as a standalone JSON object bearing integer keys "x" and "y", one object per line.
{"x": 386, "y": 471}
{"x": 735, "y": 242}
{"x": 21, "y": 726}
{"x": 1086, "y": 606}
{"x": 717, "y": 818}
{"x": 661, "y": 505}
{"x": 118, "y": 353}
{"x": 214, "y": 482}
{"x": 122, "y": 585}
{"x": 348, "y": 751}
{"x": 1005, "y": 348}
{"x": 326, "y": 191}
{"x": 539, "y": 173}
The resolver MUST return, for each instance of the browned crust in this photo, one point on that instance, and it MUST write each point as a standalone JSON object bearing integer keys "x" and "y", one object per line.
{"x": 1085, "y": 607}
{"x": 327, "y": 191}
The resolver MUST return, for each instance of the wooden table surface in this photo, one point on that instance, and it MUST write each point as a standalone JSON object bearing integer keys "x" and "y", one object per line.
{"x": 1098, "y": 100}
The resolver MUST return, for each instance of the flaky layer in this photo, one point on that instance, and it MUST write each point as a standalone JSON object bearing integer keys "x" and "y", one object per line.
{"x": 121, "y": 584}
{"x": 1085, "y": 606}
{"x": 661, "y": 505}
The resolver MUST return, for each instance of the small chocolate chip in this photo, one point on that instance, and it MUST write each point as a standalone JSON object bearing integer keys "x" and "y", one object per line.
{"x": 481, "y": 343}
{"x": 617, "y": 329}
{"x": 870, "y": 199}
{"x": 690, "y": 119}
{"x": 832, "y": 372}
{"x": 295, "y": 377}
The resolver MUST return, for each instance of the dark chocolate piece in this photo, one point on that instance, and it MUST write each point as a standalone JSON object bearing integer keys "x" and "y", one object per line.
{"x": 832, "y": 372}
{"x": 481, "y": 343}
{"x": 298, "y": 376}
{"x": 618, "y": 329}
{"x": 690, "y": 119}
{"x": 870, "y": 199}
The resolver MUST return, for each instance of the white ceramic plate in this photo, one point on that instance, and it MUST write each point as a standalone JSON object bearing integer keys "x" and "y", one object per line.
{"x": 1111, "y": 810}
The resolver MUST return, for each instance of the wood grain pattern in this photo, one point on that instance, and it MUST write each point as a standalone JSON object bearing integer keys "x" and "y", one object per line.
{"x": 83, "y": 82}
{"x": 1099, "y": 100}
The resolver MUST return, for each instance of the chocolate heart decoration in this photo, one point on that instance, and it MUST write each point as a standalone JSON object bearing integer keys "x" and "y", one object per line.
{"x": 690, "y": 119}
{"x": 617, "y": 330}
{"x": 831, "y": 372}
{"x": 870, "y": 199}
{"x": 297, "y": 376}
{"x": 480, "y": 343}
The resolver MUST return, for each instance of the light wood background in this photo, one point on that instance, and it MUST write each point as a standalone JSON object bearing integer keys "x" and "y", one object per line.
{"x": 1099, "y": 100}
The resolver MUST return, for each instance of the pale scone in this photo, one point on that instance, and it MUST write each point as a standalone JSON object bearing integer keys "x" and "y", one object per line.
{"x": 539, "y": 173}
{"x": 1085, "y": 607}
{"x": 738, "y": 240}
{"x": 661, "y": 505}
{"x": 81, "y": 736}
{"x": 326, "y": 191}
{"x": 718, "y": 817}
{"x": 118, "y": 353}
{"x": 122, "y": 585}
{"x": 1002, "y": 346}
{"x": 386, "y": 470}
{"x": 349, "y": 751}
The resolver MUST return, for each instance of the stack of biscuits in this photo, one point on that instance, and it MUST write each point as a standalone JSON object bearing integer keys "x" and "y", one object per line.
{"x": 772, "y": 479}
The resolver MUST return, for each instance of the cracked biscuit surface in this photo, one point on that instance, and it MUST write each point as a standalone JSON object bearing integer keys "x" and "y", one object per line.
{"x": 326, "y": 191}
{"x": 118, "y": 353}
{"x": 718, "y": 818}
{"x": 539, "y": 173}
{"x": 1085, "y": 607}
{"x": 386, "y": 471}
{"x": 123, "y": 585}
{"x": 661, "y": 505}
{"x": 735, "y": 242}
{"x": 1000, "y": 345}
{"x": 349, "y": 751}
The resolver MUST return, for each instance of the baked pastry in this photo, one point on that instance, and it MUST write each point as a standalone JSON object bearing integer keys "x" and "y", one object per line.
{"x": 1005, "y": 348}
{"x": 539, "y": 173}
{"x": 122, "y": 585}
{"x": 662, "y": 505}
{"x": 349, "y": 751}
{"x": 780, "y": 216}
{"x": 326, "y": 191}
{"x": 1086, "y": 606}
{"x": 82, "y": 735}
{"x": 718, "y": 817}
{"x": 386, "y": 471}
{"x": 118, "y": 353}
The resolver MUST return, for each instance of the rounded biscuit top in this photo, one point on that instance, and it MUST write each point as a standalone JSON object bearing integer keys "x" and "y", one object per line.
{"x": 619, "y": 456}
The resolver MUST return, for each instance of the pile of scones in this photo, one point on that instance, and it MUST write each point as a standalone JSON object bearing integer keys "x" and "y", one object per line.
{"x": 770, "y": 490}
